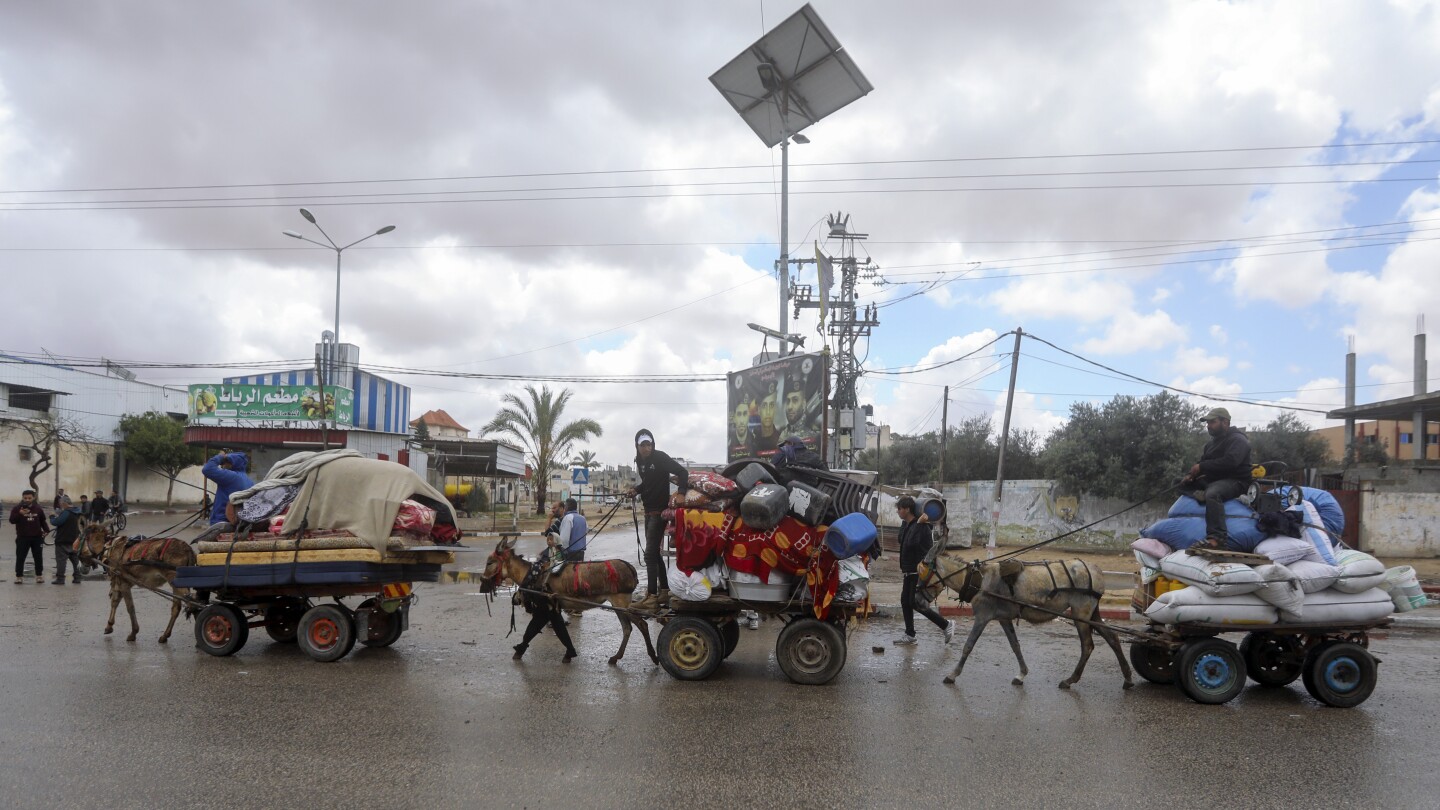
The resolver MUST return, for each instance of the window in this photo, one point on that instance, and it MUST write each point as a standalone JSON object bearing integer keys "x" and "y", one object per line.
{"x": 1432, "y": 438}
{"x": 1370, "y": 439}
{"x": 30, "y": 399}
{"x": 101, "y": 459}
{"x": 26, "y": 454}
{"x": 1404, "y": 438}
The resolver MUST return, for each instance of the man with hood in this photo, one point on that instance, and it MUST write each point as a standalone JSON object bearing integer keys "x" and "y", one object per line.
{"x": 66, "y": 521}
{"x": 656, "y": 469}
{"x": 227, "y": 470}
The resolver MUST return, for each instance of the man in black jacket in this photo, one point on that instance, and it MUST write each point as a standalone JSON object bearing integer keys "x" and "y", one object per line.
{"x": 915, "y": 543}
{"x": 1223, "y": 473}
{"x": 656, "y": 469}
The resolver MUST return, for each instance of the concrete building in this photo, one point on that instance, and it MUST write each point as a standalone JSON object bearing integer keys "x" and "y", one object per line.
{"x": 93, "y": 401}
{"x": 440, "y": 425}
{"x": 1395, "y": 436}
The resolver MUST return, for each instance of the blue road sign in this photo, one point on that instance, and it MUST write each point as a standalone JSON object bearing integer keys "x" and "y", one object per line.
{"x": 579, "y": 476}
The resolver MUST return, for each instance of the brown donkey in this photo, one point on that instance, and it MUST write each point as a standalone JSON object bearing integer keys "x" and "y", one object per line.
{"x": 578, "y": 586}
{"x": 151, "y": 563}
{"x": 1069, "y": 585}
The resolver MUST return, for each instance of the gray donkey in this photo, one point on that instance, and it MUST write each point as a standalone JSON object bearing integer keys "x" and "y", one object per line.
{"x": 1011, "y": 590}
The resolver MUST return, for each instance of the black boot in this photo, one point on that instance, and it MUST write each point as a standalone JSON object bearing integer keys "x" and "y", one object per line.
{"x": 519, "y": 652}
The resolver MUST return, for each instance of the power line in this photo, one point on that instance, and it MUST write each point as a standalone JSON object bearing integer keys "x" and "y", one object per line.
{"x": 914, "y": 370}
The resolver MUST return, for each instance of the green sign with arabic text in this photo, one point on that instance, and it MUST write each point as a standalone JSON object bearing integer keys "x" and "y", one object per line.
{"x": 217, "y": 403}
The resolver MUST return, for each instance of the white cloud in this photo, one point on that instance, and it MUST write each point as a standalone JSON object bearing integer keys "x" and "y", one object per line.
{"x": 1066, "y": 297}
{"x": 1131, "y": 332}
{"x": 1217, "y": 334}
{"x": 1195, "y": 360}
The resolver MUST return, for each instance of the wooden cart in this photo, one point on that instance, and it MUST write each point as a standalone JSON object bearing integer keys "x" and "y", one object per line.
{"x": 324, "y": 631}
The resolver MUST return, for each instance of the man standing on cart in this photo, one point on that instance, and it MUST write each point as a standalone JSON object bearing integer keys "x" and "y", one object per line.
{"x": 655, "y": 469}
{"x": 1222, "y": 473}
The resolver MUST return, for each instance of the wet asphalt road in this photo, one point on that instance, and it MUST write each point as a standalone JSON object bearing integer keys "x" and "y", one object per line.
{"x": 445, "y": 718}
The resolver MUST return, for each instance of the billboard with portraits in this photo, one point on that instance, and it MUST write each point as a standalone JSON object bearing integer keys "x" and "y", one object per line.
{"x": 775, "y": 401}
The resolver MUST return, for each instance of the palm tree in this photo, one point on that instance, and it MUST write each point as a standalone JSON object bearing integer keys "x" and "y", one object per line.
{"x": 586, "y": 459}
{"x": 535, "y": 425}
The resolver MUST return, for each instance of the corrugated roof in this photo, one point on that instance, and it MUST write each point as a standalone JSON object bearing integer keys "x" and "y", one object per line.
{"x": 438, "y": 418}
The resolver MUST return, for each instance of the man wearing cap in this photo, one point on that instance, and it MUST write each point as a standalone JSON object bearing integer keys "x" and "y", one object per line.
{"x": 656, "y": 469}
{"x": 1223, "y": 473}
{"x": 99, "y": 506}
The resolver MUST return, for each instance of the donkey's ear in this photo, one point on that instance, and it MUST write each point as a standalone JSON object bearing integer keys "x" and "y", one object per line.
{"x": 508, "y": 543}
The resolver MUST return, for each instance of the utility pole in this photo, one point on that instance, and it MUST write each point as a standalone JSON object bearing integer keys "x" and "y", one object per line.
{"x": 944, "y": 433}
{"x": 1004, "y": 439}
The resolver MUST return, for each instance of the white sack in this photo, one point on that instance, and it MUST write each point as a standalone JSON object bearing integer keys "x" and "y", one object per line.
{"x": 851, "y": 569}
{"x": 1337, "y": 607}
{"x": 1215, "y": 579}
{"x": 694, "y": 587}
{"x": 1282, "y": 589}
{"x": 1314, "y": 531}
{"x": 1194, "y": 605}
{"x": 1313, "y": 576}
{"x": 1359, "y": 572}
{"x": 1285, "y": 550}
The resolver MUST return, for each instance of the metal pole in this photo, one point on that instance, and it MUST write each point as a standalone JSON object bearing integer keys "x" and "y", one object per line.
{"x": 1417, "y": 427}
{"x": 1350, "y": 403}
{"x": 334, "y": 351}
{"x": 944, "y": 432}
{"x": 1004, "y": 439}
{"x": 825, "y": 406}
{"x": 784, "y": 240}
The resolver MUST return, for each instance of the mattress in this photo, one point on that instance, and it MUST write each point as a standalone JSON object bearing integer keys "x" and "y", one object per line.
{"x": 214, "y": 577}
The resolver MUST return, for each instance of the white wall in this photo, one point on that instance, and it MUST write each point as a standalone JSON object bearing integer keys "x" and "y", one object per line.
{"x": 1400, "y": 524}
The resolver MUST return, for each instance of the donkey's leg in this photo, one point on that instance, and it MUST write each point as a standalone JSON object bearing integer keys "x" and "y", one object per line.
{"x": 1087, "y": 646}
{"x": 624, "y": 638}
{"x": 174, "y": 614}
{"x": 978, "y": 627}
{"x": 1008, "y": 625}
{"x": 130, "y": 608}
{"x": 645, "y": 634}
{"x": 1113, "y": 639}
{"x": 114, "y": 604}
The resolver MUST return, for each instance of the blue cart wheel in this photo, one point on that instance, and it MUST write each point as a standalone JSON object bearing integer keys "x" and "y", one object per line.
{"x": 1340, "y": 674}
{"x": 1211, "y": 670}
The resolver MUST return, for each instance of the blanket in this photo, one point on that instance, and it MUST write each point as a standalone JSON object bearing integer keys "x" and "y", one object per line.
{"x": 291, "y": 471}
{"x": 362, "y": 496}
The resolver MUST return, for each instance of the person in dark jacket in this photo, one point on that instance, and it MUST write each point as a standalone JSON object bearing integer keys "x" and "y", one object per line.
{"x": 227, "y": 470}
{"x": 915, "y": 544}
{"x": 99, "y": 506}
{"x": 656, "y": 469}
{"x": 67, "y": 531}
{"x": 30, "y": 530}
{"x": 1222, "y": 473}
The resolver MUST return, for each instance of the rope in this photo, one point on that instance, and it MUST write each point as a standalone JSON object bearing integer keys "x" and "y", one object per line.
{"x": 1152, "y": 496}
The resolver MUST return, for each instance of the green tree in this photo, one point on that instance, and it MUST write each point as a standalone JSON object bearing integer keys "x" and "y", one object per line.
{"x": 157, "y": 441}
{"x": 535, "y": 422}
{"x": 422, "y": 432}
{"x": 1290, "y": 440}
{"x": 1126, "y": 448}
{"x": 1371, "y": 453}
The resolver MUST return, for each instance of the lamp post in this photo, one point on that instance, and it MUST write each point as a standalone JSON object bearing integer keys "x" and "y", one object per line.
{"x": 780, "y": 89}
{"x": 330, "y": 243}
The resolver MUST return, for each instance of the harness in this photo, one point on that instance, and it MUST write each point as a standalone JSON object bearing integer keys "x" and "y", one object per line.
{"x": 140, "y": 553}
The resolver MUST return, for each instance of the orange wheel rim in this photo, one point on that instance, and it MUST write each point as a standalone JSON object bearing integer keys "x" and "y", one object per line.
{"x": 217, "y": 630}
{"x": 324, "y": 633}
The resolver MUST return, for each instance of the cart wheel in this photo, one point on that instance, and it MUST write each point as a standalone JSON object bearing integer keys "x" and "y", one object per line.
{"x": 1340, "y": 674}
{"x": 385, "y": 628}
{"x": 810, "y": 651}
{"x": 327, "y": 632}
{"x": 1271, "y": 660}
{"x": 1293, "y": 496}
{"x": 690, "y": 648}
{"x": 1211, "y": 670}
{"x": 730, "y": 636}
{"x": 282, "y": 620}
{"x": 1154, "y": 664}
{"x": 220, "y": 629}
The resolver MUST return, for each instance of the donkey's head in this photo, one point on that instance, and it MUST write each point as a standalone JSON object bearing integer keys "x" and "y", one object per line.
{"x": 955, "y": 573}
{"x": 95, "y": 536}
{"x": 497, "y": 565}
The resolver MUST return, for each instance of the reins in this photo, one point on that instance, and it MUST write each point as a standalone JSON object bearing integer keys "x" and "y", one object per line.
{"x": 1152, "y": 496}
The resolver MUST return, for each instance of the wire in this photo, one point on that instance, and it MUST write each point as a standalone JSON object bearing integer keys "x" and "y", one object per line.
{"x": 913, "y": 370}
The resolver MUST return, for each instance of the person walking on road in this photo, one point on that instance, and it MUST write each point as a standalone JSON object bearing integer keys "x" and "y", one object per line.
{"x": 915, "y": 544}
{"x": 67, "y": 531}
{"x": 1222, "y": 473}
{"x": 655, "y": 469}
{"x": 99, "y": 507}
{"x": 61, "y": 500}
{"x": 574, "y": 533}
{"x": 30, "y": 530}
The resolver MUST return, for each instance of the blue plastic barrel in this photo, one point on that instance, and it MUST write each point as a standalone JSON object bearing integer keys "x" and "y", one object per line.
{"x": 933, "y": 508}
{"x": 850, "y": 535}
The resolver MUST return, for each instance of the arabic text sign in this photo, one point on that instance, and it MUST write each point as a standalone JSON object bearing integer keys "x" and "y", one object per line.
{"x": 212, "y": 402}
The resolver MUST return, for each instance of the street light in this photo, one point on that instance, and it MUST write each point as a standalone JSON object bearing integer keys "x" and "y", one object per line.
{"x": 330, "y": 243}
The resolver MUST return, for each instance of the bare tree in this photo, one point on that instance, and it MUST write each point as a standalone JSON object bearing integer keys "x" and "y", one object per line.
{"x": 47, "y": 434}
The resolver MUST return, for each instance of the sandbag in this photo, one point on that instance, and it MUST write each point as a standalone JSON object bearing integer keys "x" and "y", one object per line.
{"x": 1191, "y": 604}
{"x": 1149, "y": 566}
{"x": 1313, "y": 576}
{"x": 1337, "y": 607}
{"x": 808, "y": 504}
{"x": 1186, "y": 506}
{"x": 1286, "y": 550}
{"x": 1332, "y": 517}
{"x": 1314, "y": 532}
{"x": 1282, "y": 589}
{"x": 764, "y": 506}
{"x": 1215, "y": 579}
{"x": 850, "y": 535}
{"x": 1359, "y": 572}
{"x": 1184, "y": 532}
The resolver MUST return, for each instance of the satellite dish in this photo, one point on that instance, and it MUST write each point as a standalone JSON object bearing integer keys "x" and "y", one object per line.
{"x": 790, "y": 78}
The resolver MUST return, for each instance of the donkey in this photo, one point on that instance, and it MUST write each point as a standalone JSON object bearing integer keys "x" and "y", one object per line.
{"x": 151, "y": 563}
{"x": 1000, "y": 592}
{"x": 578, "y": 586}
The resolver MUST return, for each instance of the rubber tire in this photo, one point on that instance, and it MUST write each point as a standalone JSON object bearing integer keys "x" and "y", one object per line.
{"x": 690, "y": 649}
{"x": 327, "y": 633}
{"x": 221, "y": 630}
{"x": 1270, "y": 659}
{"x": 119, "y": 521}
{"x": 1340, "y": 674}
{"x": 1211, "y": 671}
{"x": 1154, "y": 664}
{"x": 282, "y": 620}
{"x": 730, "y": 636}
{"x": 390, "y": 629}
{"x": 810, "y": 652}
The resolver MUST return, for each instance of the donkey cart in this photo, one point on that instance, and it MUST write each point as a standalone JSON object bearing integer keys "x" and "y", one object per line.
{"x": 1332, "y": 660}
{"x": 696, "y": 636}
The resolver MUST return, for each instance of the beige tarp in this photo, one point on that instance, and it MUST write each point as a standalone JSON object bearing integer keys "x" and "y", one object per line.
{"x": 359, "y": 495}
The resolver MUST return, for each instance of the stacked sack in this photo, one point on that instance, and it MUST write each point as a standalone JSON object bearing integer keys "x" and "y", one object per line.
{"x": 765, "y": 540}
{"x": 1309, "y": 580}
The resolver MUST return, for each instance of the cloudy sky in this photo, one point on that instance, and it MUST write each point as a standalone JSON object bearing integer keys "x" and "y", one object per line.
{"x": 1209, "y": 195}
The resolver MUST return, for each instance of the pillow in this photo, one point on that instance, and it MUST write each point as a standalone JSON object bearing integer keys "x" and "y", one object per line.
{"x": 1151, "y": 547}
